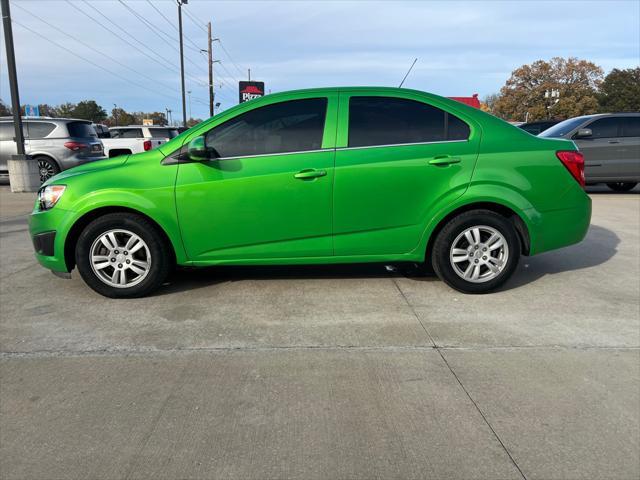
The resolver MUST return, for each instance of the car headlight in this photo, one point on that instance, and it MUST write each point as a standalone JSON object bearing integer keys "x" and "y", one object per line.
{"x": 48, "y": 196}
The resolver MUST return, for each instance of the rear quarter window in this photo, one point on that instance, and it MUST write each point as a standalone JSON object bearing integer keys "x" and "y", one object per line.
{"x": 127, "y": 133}
{"x": 38, "y": 130}
{"x": 630, "y": 126}
{"x": 6, "y": 131}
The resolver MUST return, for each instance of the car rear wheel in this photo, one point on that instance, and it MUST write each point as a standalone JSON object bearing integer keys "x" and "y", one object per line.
{"x": 621, "y": 186}
{"x": 476, "y": 252}
{"x": 47, "y": 168}
{"x": 122, "y": 255}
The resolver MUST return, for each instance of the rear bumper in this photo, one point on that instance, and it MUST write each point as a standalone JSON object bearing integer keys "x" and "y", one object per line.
{"x": 560, "y": 228}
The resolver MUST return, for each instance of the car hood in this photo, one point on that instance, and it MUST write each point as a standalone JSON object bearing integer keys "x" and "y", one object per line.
{"x": 89, "y": 167}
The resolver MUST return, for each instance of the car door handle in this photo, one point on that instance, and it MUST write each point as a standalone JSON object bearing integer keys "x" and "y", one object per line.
{"x": 309, "y": 173}
{"x": 443, "y": 160}
{"x": 614, "y": 141}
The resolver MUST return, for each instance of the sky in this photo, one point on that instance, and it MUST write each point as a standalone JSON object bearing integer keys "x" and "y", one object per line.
{"x": 462, "y": 47}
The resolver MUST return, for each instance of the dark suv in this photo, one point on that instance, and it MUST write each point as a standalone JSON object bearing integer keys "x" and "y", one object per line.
{"x": 610, "y": 143}
{"x": 56, "y": 143}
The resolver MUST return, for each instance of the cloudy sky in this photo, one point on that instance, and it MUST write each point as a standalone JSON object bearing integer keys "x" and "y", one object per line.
{"x": 462, "y": 47}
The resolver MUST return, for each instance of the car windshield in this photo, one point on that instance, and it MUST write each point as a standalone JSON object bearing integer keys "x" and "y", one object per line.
{"x": 81, "y": 130}
{"x": 562, "y": 128}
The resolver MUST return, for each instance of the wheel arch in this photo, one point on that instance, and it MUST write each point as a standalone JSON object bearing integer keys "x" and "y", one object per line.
{"x": 499, "y": 208}
{"x": 79, "y": 225}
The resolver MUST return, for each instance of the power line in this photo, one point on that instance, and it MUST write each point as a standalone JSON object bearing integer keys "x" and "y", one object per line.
{"x": 145, "y": 87}
{"x": 195, "y": 21}
{"x": 231, "y": 59}
{"x": 195, "y": 46}
{"x": 160, "y": 60}
{"x": 156, "y": 31}
{"x": 94, "y": 49}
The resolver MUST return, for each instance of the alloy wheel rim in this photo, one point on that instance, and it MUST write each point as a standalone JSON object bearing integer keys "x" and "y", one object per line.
{"x": 45, "y": 169}
{"x": 120, "y": 258}
{"x": 479, "y": 254}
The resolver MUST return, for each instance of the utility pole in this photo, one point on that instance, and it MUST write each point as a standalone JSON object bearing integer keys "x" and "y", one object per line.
{"x": 190, "y": 116}
{"x": 212, "y": 95}
{"x": 13, "y": 77}
{"x": 184, "y": 100}
{"x": 115, "y": 113}
{"x": 249, "y": 73}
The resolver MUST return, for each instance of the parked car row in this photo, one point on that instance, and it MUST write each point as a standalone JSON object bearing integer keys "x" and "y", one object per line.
{"x": 133, "y": 138}
{"x": 610, "y": 144}
{"x": 61, "y": 143}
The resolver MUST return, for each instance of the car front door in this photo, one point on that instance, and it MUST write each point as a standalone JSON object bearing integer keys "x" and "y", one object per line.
{"x": 395, "y": 159}
{"x": 603, "y": 151}
{"x": 268, "y": 194}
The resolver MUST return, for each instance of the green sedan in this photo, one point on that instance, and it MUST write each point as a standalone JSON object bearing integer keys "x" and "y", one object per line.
{"x": 331, "y": 175}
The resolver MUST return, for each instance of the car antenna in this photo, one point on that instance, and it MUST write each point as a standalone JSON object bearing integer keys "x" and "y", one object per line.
{"x": 405, "y": 77}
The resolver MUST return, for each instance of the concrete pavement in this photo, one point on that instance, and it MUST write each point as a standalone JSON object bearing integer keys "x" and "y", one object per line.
{"x": 326, "y": 372}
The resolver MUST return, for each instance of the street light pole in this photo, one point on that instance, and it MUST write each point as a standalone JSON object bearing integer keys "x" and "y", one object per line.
{"x": 184, "y": 100}
{"x": 13, "y": 77}
{"x": 211, "y": 92}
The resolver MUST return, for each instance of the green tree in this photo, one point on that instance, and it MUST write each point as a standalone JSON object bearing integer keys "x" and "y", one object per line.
{"x": 5, "y": 110}
{"x": 159, "y": 118}
{"x": 121, "y": 117}
{"x": 575, "y": 80}
{"x": 64, "y": 110}
{"x": 47, "y": 110}
{"x": 193, "y": 121}
{"x": 620, "y": 91}
{"x": 89, "y": 110}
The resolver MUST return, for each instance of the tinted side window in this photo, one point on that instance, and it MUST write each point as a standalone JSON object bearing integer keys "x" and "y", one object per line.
{"x": 162, "y": 132}
{"x": 293, "y": 126}
{"x": 81, "y": 130}
{"x": 391, "y": 121}
{"x": 630, "y": 126}
{"x": 6, "y": 131}
{"x": 127, "y": 133}
{"x": 604, "y": 128}
{"x": 37, "y": 130}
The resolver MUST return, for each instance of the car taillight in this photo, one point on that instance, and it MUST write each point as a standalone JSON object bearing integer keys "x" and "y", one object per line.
{"x": 75, "y": 146}
{"x": 146, "y": 145}
{"x": 574, "y": 162}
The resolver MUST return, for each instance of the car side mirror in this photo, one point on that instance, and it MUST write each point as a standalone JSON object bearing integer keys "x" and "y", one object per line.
{"x": 584, "y": 133}
{"x": 197, "y": 151}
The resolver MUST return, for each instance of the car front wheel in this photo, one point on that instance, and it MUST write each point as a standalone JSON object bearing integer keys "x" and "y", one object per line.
{"x": 476, "y": 252}
{"x": 122, "y": 255}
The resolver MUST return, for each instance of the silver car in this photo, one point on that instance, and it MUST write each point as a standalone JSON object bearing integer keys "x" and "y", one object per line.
{"x": 56, "y": 143}
{"x": 610, "y": 143}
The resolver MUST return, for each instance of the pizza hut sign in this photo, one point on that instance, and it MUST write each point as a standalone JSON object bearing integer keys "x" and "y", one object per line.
{"x": 251, "y": 90}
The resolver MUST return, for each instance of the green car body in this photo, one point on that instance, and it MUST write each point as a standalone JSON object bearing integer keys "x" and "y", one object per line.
{"x": 334, "y": 204}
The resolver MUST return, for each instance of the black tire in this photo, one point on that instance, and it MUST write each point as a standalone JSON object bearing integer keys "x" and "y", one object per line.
{"x": 621, "y": 186}
{"x": 160, "y": 260}
{"x": 454, "y": 229}
{"x": 47, "y": 168}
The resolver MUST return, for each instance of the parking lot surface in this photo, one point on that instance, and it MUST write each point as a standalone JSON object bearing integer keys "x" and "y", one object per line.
{"x": 326, "y": 372}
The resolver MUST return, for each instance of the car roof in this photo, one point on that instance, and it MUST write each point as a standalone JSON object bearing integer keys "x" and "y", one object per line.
{"x": 143, "y": 126}
{"x": 602, "y": 115}
{"x": 47, "y": 119}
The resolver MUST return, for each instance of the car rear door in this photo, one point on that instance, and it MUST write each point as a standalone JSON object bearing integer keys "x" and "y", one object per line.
{"x": 268, "y": 195}
{"x": 630, "y": 139}
{"x": 395, "y": 159}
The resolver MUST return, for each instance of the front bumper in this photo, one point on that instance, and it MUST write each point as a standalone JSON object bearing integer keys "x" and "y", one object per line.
{"x": 48, "y": 230}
